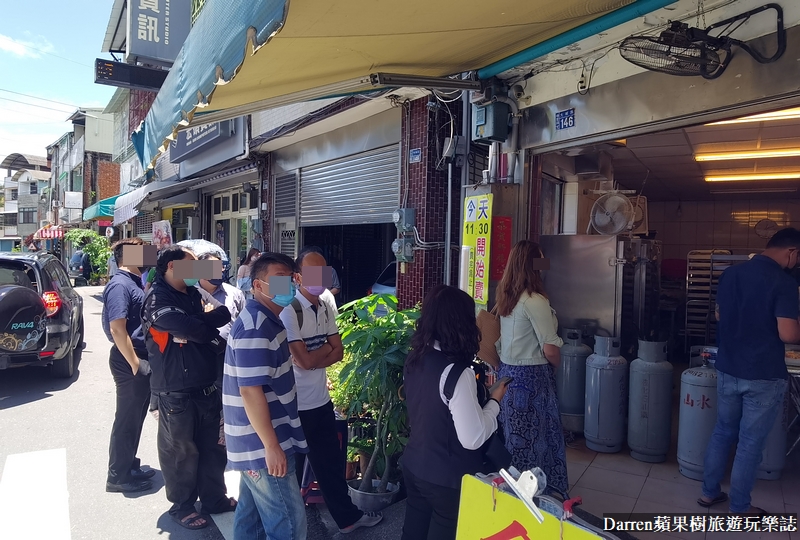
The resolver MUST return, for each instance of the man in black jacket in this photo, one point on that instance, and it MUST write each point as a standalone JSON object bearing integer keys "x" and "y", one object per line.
{"x": 182, "y": 341}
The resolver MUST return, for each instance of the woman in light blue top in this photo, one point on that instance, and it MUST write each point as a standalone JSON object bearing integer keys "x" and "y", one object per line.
{"x": 530, "y": 352}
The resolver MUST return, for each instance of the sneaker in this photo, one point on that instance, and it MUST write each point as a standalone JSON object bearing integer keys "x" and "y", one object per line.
{"x": 369, "y": 519}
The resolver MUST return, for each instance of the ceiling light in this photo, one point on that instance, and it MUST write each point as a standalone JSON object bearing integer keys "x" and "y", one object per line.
{"x": 754, "y": 177}
{"x": 751, "y": 191}
{"x": 753, "y": 154}
{"x": 786, "y": 114}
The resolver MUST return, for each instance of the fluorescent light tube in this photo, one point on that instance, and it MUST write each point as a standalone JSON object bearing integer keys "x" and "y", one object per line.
{"x": 753, "y": 177}
{"x": 786, "y": 114}
{"x": 752, "y": 154}
{"x": 752, "y": 191}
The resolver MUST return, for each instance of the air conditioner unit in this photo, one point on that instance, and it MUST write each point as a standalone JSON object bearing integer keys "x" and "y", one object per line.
{"x": 640, "y": 222}
{"x": 43, "y": 223}
{"x": 57, "y": 204}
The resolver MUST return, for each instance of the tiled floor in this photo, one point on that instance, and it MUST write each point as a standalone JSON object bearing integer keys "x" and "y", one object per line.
{"x": 617, "y": 483}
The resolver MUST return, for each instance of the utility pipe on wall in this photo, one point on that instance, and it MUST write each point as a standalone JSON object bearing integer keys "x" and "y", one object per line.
{"x": 514, "y": 144}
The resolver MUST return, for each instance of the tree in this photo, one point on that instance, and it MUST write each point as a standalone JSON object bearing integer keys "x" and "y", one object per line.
{"x": 94, "y": 245}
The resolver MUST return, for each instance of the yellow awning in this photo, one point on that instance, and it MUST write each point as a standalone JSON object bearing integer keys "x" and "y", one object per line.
{"x": 243, "y": 56}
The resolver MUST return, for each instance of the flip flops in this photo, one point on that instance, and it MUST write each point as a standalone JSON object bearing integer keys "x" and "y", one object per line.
{"x": 721, "y": 498}
{"x": 228, "y": 506}
{"x": 192, "y": 524}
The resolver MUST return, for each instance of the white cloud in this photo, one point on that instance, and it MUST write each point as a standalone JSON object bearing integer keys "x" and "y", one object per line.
{"x": 24, "y": 48}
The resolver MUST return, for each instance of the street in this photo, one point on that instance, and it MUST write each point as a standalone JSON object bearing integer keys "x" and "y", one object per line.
{"x": 54, "y": 453}
{"x": 54, "y": 457}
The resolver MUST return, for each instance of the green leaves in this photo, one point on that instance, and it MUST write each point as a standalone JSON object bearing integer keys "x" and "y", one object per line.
{"x": 95, "y": 245}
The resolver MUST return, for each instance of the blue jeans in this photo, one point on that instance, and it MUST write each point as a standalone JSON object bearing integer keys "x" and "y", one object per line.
{"x": 270, "y": 507}
{"x": 745, "y": 409}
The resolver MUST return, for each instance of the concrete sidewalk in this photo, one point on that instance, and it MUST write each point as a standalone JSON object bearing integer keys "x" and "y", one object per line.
{"x": 322, "y": 527}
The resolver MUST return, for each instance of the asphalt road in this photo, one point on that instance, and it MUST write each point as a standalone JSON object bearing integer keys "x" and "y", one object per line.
{"x": 54, "y": 453}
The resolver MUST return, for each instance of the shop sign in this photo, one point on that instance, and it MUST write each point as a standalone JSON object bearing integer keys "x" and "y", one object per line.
{"x": 157, "y": 28}
{"x": 194, "y": 140}
{"x": 228, "y": 143}
{"x": 73, "y": 200}
{"x": 501, "y": 246}
{"x": 565, "y": 119}
{"x": 477, "y": 237}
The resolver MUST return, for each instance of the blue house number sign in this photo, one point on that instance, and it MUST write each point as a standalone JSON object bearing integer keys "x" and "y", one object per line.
{"x": 565, "y": 119}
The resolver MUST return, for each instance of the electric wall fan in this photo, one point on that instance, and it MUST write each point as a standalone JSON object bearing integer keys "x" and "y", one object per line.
{"x": 612, "y": 213}
{"x": 682, "y": 50}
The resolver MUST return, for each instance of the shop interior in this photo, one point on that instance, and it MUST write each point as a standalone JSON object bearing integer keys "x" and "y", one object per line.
{"x": 358, "y": 253}
{"x": 708, "y": 196}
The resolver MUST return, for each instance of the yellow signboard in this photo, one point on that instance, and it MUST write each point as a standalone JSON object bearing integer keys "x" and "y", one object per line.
{"x": 477, "y": 237}
{"x": 487, "y": 513}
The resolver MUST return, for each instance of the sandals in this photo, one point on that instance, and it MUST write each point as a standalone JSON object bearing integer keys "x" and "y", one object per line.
{"x": 228, "y": 506}
{"x": 188, "y": 522}
{"x": 721, "y": 498}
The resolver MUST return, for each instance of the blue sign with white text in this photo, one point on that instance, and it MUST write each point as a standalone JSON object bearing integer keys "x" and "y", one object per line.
{"x": 565, "y": 119}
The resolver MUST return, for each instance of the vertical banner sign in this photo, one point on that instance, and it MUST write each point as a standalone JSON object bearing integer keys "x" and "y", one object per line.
{"x": 158, "y": 28}
{"x": 501, "y": 246}
{"x": 477, "y": 236}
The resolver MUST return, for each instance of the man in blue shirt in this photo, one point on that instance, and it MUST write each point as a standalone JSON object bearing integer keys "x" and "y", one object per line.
{"x": 757, "y": 310}
{"x": 262, "y": 425}
{"x": 122, "y": 305}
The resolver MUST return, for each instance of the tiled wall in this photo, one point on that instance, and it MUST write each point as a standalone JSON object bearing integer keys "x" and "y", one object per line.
{"x": 689, "y": 225}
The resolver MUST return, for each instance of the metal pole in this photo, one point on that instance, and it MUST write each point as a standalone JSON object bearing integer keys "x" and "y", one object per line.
{"x": 448, "y": 224}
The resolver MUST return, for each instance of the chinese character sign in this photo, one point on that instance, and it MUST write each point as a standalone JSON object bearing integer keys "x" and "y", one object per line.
{"x": 158, "y": 28}
{"x": 501, "y": 246}
{"x": 477, "y": 235}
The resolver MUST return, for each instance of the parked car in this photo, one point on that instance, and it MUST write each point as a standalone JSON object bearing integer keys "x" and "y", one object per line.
{"x": 41, "y": 314}
{"x": 385, "y": 284}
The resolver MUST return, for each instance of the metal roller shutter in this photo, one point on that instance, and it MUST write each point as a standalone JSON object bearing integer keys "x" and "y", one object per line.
{"x": 285, "y": 212}
{"x": 364, "y": 188}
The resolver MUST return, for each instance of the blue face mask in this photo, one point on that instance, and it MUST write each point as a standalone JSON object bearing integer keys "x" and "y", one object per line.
{"x": 216, "y": 282}
{"x": 190, "y": 282}
{"x": 282, "y": 300}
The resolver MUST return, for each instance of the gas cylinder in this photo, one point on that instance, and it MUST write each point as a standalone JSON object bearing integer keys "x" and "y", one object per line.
{"x": 571, "y": 380}
{"x": 697, "y": 415}
{"x": 649, "y": 403}
{"x": 606, "y": 396}
{"x": 774, "y": 457}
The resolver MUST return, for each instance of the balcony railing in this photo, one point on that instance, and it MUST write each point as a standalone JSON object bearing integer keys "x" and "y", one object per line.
{"x": 9, "y": 230}
{"x": 11, "y": 207}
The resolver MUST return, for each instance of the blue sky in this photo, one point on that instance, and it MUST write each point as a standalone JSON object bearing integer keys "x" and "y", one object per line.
{"x": 47, "y": 50}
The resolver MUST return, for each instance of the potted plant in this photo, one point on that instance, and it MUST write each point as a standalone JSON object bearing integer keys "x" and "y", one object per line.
{"x": 375, "y": 349}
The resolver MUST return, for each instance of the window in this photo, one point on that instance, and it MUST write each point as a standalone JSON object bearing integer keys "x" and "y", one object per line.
{"x": 236, "y": 202}
{"x": 217, "y": 205}
{"x": 34, "y": 188}
{"x": 253, "y": 201}
{"x": 10, "y": 220}
{"x": 226, "y": 204}
{"x": 551, "y": 207}
{"x": 27, "y": 215}
{"x": 14, "y": 194}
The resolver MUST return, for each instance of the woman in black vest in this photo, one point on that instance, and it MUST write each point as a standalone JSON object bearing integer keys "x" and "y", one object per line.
{"x": 446, "y": 434}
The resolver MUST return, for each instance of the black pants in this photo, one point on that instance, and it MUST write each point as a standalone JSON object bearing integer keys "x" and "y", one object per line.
{"x": 431, "y": 510}
{"x": 328, "y": 462}
{"x": 133, "y": 396}
{"x": 192, "y": 461}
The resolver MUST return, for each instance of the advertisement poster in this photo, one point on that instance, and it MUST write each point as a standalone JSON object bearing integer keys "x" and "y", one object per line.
{"x": 501, "y": 246}
{"x": 162, "y": 234}
{"x": 477, "y": 236}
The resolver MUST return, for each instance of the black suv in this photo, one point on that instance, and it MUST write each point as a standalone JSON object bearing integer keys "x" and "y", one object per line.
{"x": 41, "y": 314}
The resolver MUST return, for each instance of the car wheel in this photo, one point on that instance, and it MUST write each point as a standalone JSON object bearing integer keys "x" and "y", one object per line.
{"x": 63, "y": 368}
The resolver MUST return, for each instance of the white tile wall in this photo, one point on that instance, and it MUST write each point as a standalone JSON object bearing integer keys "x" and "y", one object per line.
{"x": 688, "y": 225}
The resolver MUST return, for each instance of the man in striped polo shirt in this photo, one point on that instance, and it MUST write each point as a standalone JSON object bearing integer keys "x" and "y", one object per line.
{"x": 262, "y": 426}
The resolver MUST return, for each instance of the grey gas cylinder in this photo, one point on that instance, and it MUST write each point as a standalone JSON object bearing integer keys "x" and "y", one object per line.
{"x": 774, "y": 457}
{"x": 606, "y": 396}
{"x": 649, "y": 403}
{"x": 571, "y": 380}
{"x": 697, "y": 417}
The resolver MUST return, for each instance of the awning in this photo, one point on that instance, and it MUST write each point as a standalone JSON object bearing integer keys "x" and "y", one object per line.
{"x": 101, "y": 210}
{"x": 49, "y": 233}
{"x": 242, "y": 56}
{"x": 127, "y": 205}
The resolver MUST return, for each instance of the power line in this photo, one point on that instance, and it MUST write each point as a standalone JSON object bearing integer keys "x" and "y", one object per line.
{"x": 31, "y": 47}
{"x": 34, "y": 105}
{"x": 39, "y": 98}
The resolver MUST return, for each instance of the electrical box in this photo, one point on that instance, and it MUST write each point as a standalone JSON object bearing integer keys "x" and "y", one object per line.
{"x": 403, "y": 219}
{"x": 455, "y": 146}
{"x": 490, "y": 122}
{"x": 403, "y": 249}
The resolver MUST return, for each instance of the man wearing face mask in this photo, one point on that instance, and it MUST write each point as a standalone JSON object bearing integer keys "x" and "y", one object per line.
{"x": 121, "y": 319}
{"x": 182, "y": 343}
{"x": 262, "y": 428}
{"x": 315, "y": 344}
{"x": 757, "y": 310}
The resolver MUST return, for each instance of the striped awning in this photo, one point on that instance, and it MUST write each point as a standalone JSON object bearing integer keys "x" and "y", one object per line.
{"x": 48, "y": 233}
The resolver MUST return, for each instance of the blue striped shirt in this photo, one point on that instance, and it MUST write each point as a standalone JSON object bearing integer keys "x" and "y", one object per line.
{"x": 258, "y": 355}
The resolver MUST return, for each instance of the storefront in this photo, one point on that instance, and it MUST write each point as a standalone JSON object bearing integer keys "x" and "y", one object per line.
{"x": 338, "y": 191}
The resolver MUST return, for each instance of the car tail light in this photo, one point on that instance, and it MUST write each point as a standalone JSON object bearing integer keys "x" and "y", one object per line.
{"x": 52, "y": 302}
{"x": 44, "y": 354}
{"x": 369, "y": 291}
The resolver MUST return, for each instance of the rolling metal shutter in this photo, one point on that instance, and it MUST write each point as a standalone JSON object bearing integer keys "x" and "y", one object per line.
{"x": 285, "y": 213}
{"x": 364, "y": 188}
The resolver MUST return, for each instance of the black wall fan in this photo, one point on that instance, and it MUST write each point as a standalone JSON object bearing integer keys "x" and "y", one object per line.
{"x": 681, "y": 50}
